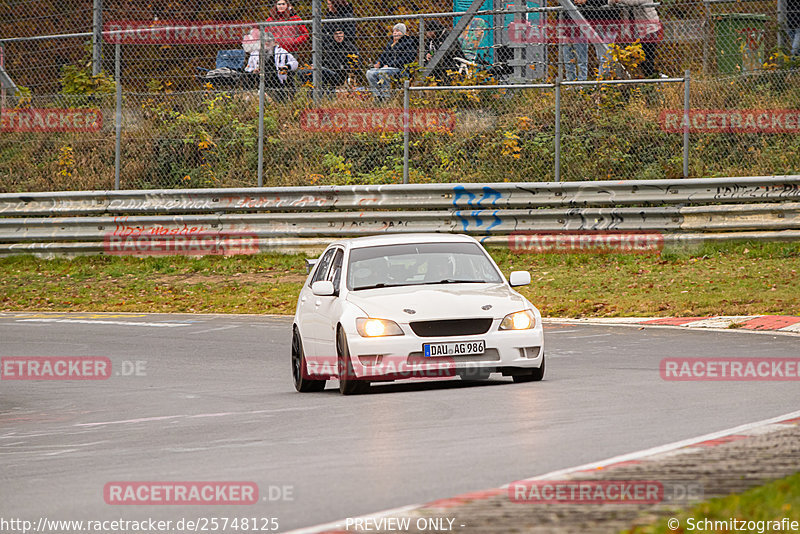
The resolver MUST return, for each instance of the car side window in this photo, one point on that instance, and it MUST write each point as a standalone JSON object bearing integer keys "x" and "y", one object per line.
{"x": 335, "y": 274}
{"x": 322, "y": 266}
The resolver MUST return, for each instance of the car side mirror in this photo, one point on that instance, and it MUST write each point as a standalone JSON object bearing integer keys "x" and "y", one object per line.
{"x": 310, "y": 264}
{"x": 519, "y": 278}
{"x": 322, "y": 288}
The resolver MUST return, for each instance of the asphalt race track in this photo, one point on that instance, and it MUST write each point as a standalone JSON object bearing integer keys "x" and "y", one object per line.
{"x": 214, "y": 401}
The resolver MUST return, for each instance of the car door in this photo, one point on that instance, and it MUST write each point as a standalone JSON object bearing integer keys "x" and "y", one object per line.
{"x": 308, "y": 317}
{"x": 328, "y": 310}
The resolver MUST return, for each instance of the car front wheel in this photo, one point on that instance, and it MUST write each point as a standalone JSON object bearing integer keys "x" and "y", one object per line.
{"x": 535, "y": 375}
{"x": 302, "y": 382}
{"x": 349, "y": 384}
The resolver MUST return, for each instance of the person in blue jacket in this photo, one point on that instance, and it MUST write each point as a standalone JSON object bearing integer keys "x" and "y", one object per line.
{"x": 398, "y": 53}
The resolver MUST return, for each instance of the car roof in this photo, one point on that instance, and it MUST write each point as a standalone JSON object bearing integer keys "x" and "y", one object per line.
{"x": 400, "y": 239}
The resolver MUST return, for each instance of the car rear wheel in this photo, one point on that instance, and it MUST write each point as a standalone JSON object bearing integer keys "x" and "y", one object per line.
{"x": 535, "y": 375}
{"x": 349, "y": 384}
{"x": 302, "y": 383}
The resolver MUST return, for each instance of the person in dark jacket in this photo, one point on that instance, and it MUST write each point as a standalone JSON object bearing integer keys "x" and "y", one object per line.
{"x": 338, "y": 59}
{"x": 435, "y": 35}
{"x": 340, "y": 9}
{"x": 400, "y": 51}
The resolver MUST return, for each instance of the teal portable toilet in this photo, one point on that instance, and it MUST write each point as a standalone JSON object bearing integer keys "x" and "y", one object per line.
{"x": 486, "y": 30}
{"x": 480, "y": 37}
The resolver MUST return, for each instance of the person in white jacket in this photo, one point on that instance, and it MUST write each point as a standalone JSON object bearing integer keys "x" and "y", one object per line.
{"x": 647, "y": 28}
{"x": 279, "y": 81}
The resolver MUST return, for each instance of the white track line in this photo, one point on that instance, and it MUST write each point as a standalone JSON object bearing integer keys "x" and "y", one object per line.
{"x": 338, "y": 525}
{"x": 100, "y": 322}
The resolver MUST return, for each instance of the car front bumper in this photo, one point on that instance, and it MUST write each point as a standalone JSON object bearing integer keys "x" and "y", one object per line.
{"x": 398, "y": 357}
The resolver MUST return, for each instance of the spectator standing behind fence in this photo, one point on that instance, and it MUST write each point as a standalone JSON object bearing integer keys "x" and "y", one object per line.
{"x": 339, "y": 57}
{"x": 340, "y": 9}
{"x": 604, "y": 20}
{"x": 793, "y": 23}
{"x": 400, "y": 51}
{"x": 576, "y": 47}
{"x": 279, "y": 80}
{"x": 647, "y": 30}
{"x": 435, "y": 35}
{"x": 292, "y": 38}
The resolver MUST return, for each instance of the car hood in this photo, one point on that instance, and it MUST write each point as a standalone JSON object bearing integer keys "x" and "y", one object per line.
{"x": 438, "y": 301}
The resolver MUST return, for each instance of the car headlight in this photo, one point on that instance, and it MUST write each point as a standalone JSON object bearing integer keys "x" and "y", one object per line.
{"x": 368, "y": 327}
{"x": 521, "y": 320}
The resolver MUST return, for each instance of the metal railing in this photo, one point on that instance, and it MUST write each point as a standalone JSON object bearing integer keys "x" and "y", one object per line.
{"x": 156, "y": 129}
{"x": 686, "y": 80}
{"x": 288, "y": 219}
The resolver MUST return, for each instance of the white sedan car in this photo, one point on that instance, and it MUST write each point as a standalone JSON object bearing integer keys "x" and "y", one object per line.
{"x": 412, "y": 306}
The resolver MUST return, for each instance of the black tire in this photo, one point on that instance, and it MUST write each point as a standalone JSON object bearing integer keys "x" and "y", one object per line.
{"x": 302, "y": 383}
{"x": 534, "y": 376}
{"x": 349, "y": 384}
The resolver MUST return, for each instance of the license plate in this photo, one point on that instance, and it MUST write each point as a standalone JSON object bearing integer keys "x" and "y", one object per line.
{"x": 460, "y": 348}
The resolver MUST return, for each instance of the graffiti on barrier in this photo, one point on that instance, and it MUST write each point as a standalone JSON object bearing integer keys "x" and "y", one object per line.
{"x": 758, "y": 191}
{"x": 124, "y": 229}
{"x": 473, "y": 220}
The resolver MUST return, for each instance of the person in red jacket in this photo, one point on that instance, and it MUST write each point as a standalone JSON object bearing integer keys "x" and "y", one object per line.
{"x": 294, "y": 37}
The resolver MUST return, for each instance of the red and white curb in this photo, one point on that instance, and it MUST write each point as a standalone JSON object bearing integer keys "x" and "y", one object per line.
{"x": 783, "y": 324}
{"x": 653, "y": 454}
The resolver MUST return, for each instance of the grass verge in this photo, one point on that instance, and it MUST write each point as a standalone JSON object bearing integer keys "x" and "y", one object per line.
{"x": 765, "y": 506}
{"x": 730, "y": 279}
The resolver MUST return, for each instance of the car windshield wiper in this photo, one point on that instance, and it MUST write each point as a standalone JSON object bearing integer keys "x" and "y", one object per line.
{"x": 382, "y": 284}
{"x": 454, "y": 281}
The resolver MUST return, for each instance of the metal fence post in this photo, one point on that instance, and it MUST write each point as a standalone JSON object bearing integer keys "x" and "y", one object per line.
{"x": 316, "y": 57}
{"x": 421, "y": 57}
{"x": 707, "y": 35}
{"x": 406, "y": 120}
{"x": 781, "y": 22}
{"x": 686, "y": 89}
{"x": 261, "y": 68}
{"x": 558, "y": 129}
{"x": 2, "y": 85}
{"x": 561, "y": 60}
{"x": 118, "y": 114}
{"x": 97, "y": 37}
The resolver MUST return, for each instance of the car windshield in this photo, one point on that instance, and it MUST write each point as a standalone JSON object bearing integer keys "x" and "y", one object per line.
{"x": 419, "y": 264}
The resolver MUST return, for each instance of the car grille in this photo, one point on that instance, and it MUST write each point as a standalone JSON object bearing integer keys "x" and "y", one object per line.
{"x": 451, "y": 327}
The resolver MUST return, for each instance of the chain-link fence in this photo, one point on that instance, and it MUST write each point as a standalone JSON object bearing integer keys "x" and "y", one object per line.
{"x": 98, "y": 95}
